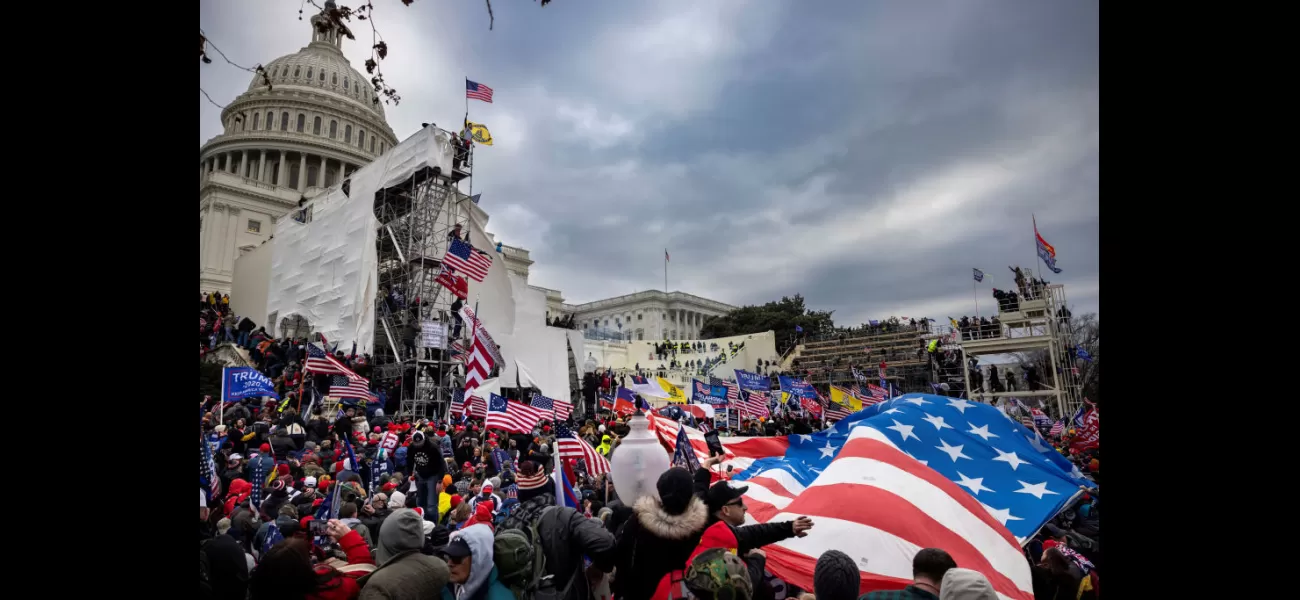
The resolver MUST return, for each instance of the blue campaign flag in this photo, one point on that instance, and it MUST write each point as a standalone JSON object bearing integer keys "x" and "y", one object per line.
{"x": 245, "y": 382}
{"x": 797, "y": 388}
{"x": 1005, "y": 466}
{"x": 752, "y": 381}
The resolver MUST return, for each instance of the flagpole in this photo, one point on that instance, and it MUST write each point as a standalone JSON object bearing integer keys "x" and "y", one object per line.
{"x": 221, "y": 402}
{"x": 974, "y": 286}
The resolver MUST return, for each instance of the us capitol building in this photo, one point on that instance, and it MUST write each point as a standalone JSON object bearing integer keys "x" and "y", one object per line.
{"x": 311, "y": 128}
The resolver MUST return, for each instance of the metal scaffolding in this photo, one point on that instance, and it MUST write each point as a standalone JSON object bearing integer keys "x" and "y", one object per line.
{"x": 416, "y": 219}
{"x": 1034, "y": 326}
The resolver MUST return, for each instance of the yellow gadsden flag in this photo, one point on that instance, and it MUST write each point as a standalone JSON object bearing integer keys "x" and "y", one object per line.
{"x": 675, "y": 393}
{"x": 479, "y": 133}
{"x": 844, "y": 397}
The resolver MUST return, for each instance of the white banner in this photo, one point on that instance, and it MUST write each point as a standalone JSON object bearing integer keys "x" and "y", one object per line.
{"x": 433, "y": 334}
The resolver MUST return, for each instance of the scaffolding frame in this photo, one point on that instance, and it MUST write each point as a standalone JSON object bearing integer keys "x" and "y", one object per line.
{"x": 1033, "y": 326}
{"x": 416, "y": 218}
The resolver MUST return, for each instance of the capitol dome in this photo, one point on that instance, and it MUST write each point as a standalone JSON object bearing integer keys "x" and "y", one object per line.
{"x": 316, "y": 122}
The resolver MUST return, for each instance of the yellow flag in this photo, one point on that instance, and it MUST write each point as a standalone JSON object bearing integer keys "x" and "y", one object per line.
{"x": 479, "y": 133}
{"x": 675, "y": 393}
{"x": 843, "y": 397}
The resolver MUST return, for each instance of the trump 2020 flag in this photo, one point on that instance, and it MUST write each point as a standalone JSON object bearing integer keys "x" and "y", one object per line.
{"x": 238, "y": 383}
{"x": 921, "y": 471}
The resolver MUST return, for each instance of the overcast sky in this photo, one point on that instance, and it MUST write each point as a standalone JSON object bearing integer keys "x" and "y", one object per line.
{"x": 866, "y": 154}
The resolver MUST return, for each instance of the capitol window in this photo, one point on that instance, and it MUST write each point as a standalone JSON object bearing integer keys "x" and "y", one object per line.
{"x": 254, "y": 226}
{"x": 345, "y": 84}
{"x": 361, "y": 138}
{"x": 256, "y": 120}
{"x": 334, "y": 129}
{"x": 302, "y": 122}
{"x": 308, "y": 72}
{"x": 297, "y": 71}
{"x": 638, "y": 316}
{"x": 381, "y": 147}
{"x": 347, "y": 134}
{"x": 270, "y": 120}
{"x": 372, "y": 144}
{"x": 284, "y": 121}
{"x": 315, "y": 126}
{"x": 322, "y": 75}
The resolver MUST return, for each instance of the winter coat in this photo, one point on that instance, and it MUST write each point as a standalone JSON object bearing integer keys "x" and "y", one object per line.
{"x": 652, "y": 543}
{"x": 566, "y": 536}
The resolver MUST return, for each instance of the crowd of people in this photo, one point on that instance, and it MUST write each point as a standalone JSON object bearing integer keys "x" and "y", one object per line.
{"x": 349, "y": 502}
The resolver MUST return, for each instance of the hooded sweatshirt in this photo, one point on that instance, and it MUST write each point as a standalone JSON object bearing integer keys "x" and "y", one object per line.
{"x": 965, "y": 584}
{"x": 404, "y": 572}
{"x": 482, "y": 583}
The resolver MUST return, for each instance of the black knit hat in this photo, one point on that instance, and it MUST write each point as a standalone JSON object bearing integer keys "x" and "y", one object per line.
{"x": 836, "y": 577}
{"x": 676, "y": 488}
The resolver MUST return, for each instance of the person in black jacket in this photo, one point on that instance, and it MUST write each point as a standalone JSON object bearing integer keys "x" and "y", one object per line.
{"x": 424, "y": 459}
{"x": 659, "y": 536}
{"x": 343, "y": 425}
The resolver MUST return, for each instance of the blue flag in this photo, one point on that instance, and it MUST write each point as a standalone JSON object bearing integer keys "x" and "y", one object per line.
{"x": 752, "y": 381}
{"x": 245, "y": 382}
{"x": 1019, "y": 478}
{"x": 273, "y": 537}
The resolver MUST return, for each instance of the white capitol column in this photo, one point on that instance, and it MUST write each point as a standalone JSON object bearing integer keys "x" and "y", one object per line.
{"x": 302, "y": 172}
{"x": 261, "y": 166}
{"x": 243, "y": 163}
{"x": 281, "y": 177}
{"x": 228, "y": 249}
{"x": 213, "y": 232}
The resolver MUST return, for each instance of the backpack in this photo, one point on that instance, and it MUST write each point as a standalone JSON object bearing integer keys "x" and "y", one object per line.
{"x": 521, "y": 563}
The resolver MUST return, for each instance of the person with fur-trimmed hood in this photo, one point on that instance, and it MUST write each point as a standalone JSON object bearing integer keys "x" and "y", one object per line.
{"x": 660, "y": 535}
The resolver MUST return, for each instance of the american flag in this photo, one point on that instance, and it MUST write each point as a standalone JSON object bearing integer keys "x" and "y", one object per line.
{"x": 320, "y": 361}
{"x": 835, "y": 411}
{"x": 458, "y": 353}
{"x": 343, "y": 386}
{"x": 561, "y": 408}
{"x": 478, "y": 364}
{"x": 569, "y": 445}
{"x": 468, "y": 259}
{"x": 467, "y": 315}
{"x": 1058, "y": 428}
{"x": 867, "y": 399}
{"x": 453, "y": 282}
{"x": 513, "y": 416}
{"x": 478, "y": 91}
{"x": 733, "y": 390}
{"x": 754, "y": 405}
{"x": 208, "y": 469}
{"x": 477, "y": 405}
{"x": 918, "y": 472}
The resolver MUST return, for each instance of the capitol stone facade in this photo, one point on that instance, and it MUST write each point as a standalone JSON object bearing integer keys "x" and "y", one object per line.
{"x": 648, "y": 315}
{"x": 314, "y": 125}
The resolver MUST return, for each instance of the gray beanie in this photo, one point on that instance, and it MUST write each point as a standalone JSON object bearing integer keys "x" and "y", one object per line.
{"x": 401, "y": 532}
{"x": 965, "y": 584}
{"x": 836, "y": 577}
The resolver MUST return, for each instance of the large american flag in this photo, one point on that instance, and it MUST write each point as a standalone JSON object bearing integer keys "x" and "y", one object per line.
{"x": 754, "y": 405}
{"x": 569, "y": 445}
{"x": 208, "y": 469}
{"x": 513, "y": 416}
{"x": 561, "y": 408}
{"x": 911, "y": 473}
{"x": 468, "y": 260}
{"x": 478, "y": 91}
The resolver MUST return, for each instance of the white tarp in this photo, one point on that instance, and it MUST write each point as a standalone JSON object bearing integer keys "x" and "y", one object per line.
{"x": 492, "y": 297}
{"x": 325, "y": 270}
{"x": 542, "y": 349}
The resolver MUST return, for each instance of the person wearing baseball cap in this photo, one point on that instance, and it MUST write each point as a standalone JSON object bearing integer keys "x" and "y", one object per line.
{"x": 727, "y": 504}
{"x": 473, "y": 574}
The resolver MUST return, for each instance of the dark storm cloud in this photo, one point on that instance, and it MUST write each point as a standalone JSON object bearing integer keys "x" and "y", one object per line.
{"x": 864, "y": 154}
